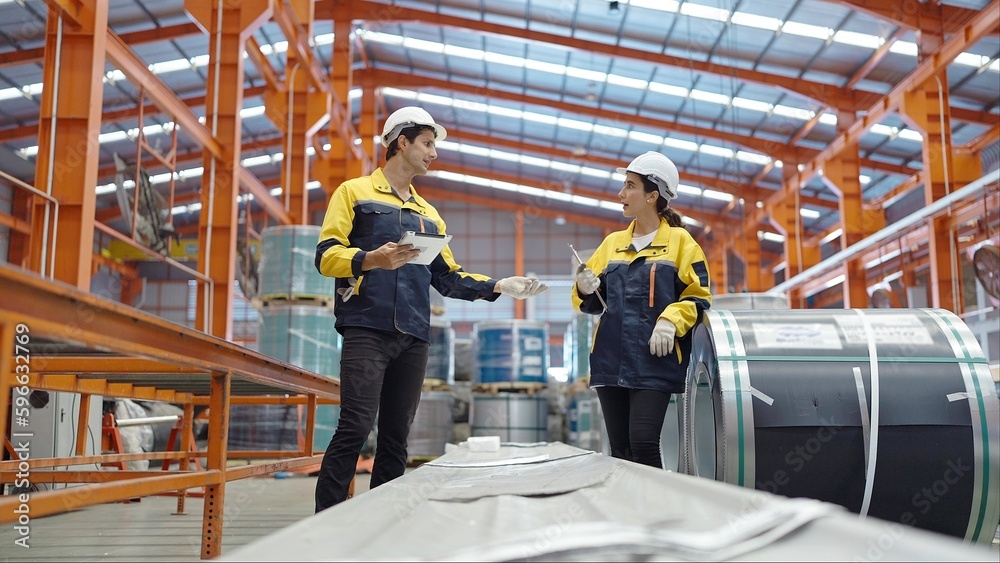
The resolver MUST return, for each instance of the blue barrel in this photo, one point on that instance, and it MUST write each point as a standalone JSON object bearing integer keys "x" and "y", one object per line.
{"x": 512, "y": 351}
{"x": 287, "y": 264}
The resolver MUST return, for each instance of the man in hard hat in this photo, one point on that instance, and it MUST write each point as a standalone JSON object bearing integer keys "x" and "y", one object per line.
{"x": 383, "y": 311}
{"x": 653, "y": 277}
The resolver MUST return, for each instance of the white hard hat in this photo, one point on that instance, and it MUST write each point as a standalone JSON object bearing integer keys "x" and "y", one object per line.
{"x": 409, "y": 116}
{"x": 659, "y": 169}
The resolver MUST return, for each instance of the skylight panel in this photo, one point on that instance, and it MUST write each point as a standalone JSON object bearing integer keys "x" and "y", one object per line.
{"x": 591, "y": 75}
{"x": 540, "y": 118}
{"x": 575, "y": 124}
{"x": 806, "y": 30}
{"x": 659, "y": 5}
{"x": 606, "y": 131}
{"x": 645, "y": 137}
{"x": 668, "y": 89}
{"x": 797, "y": 113}
{"x": 753, "y": 20}
{"x": 504, "y": 155}
{"x": 680, "y": 144}
{"x": 544, "y": 67}
{"x": 904, "y": 48}
{"x": 619, "y": 80}
{"x": 11, "y": 93}
{"x": 711, "y": 97}
{"x": 464, "y": 52}
{"x": 704, "y": 12}
{"x": 717, "y": 195}
{"x": 754, "y": 105}
{"x": 170, "y": 66}
{"x": 969, "y": 59}
{"x": 754, "y": 158}
{"x": 422, "y": 45}
{"x": 716, "y": 151}
{"x": 859, "y": 39}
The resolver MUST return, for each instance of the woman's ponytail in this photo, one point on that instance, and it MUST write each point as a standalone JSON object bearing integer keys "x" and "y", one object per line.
{"x": 673, "y": 218}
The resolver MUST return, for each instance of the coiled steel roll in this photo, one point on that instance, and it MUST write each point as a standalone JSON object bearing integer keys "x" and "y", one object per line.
{"x": 890, "y": 413}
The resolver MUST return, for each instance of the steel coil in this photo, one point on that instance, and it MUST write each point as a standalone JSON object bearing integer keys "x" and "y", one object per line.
{"x": 891, "y": 414}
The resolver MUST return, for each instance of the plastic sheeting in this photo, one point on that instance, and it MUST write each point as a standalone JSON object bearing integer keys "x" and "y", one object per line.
{"x": 556, "y": 502}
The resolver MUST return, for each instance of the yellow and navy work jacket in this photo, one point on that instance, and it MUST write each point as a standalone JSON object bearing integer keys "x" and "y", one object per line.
{"x": 365, "y": 213}
{"x": 666, "y": 280}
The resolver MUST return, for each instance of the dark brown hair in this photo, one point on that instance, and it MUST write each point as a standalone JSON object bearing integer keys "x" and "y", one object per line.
{"x": 662, "y": 205}
{"x": 410, "y": 133}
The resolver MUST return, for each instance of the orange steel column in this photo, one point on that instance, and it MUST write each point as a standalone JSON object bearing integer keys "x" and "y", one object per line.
{"x": 519, "y": 258}
{"x": 18, "y": 248}
{"x": 842, "y": 175}
{"x": 218, "y": 439}
{"x": 331, "y": 169}
{"x": 785, "y": 218}
{"x": 368, "y": 130}
{"x": 717, "y": 269}
{"x": 302, "y": 121}
{"x": 69, "y": 123}
{"x": 229, "y": 23}
{"x": 752, "y": 274}
{"x": 926, "y": 109}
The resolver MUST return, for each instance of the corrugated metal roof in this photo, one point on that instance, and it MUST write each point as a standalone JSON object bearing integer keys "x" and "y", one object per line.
{"x": 564, "y": 89}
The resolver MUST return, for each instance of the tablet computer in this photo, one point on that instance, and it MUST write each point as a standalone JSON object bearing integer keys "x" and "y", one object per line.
{"x": 429, "y": 245}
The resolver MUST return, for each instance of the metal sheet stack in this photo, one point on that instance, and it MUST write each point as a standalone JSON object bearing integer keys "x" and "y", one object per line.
{"x": 297, "y": 326}
{"x": 511, "y": 367}
{"x": 889, "y": 413}
{"x": 433, "y": 421}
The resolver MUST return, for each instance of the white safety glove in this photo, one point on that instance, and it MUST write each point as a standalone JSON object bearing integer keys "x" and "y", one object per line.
{"x": 661, "y": 342}
{"x": 346, "y": 293}
{"x": 520, "y": 287}
{"x": 586, "y": 280}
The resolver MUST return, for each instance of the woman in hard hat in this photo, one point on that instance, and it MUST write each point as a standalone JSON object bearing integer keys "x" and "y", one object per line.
{"x": 653, "y": 278}
{"x": 383, "y": 311}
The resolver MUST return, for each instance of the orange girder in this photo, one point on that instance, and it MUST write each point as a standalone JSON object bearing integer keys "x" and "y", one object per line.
{"x": 28, "y": 56}
{"x": 918, "y": 15}
{"x": 31, "y": 130}
{"x": 875, "y": 59}
{"x": 69, "y": 123}
{"x": 298, "y": 128}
